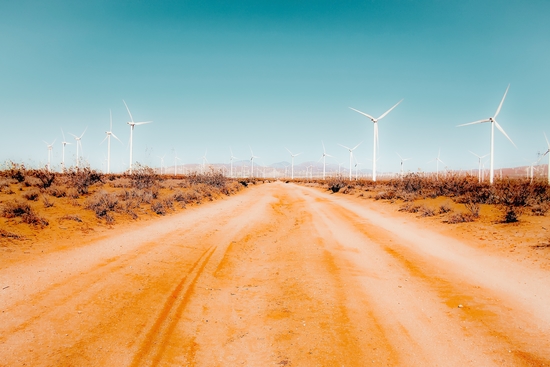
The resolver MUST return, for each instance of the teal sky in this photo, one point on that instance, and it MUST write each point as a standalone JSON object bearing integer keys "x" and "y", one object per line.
{"x": 270, "y": 74}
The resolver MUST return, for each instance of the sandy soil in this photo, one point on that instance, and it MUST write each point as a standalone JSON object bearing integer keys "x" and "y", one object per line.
{"x": 280, "y": 275}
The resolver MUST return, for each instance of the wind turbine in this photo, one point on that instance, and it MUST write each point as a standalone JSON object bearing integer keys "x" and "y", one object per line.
{"x": 79, "y": 143}
{"x": 494, "y": 123}
{"x": 545, "y": 153}
{"x": 231, "y": 161}
{"x": 108, "y": 137}
{"x": 375, "y": 145}
{"x": 323, "y": 157}
{"x": 402, "y": 161}
{"x": 50, "y": 147}
{"x": 204, "y": 161}
{"x": 64, "y": 142}
{"x": 437, "y": 160}
{"x": 292, "y": 163}
{"x": 350, "y": 156}
{"x": 176, "y": 158}
{"x": 252, "y": 161}
{"x": 356, "y": 167}
{"x": 162, "y": 163}
{"x": 479, "y": 164}
{"x": 132, "y": 124}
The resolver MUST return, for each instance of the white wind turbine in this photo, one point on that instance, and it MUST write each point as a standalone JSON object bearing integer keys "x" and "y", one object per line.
{"x": 176, "y": 158}
{"x": 162, "y": 163}
{"x": 292, "y": 161}
{"x": 231, "y": 161}
{"x": 545, "y": 153}
{"x": 350, "y": 156}
{"x": 50, "y": 147}
{"x": 356, "y": 167}
{"x": 494, "y": 123}
{"x": 79, "y": 143}
{"x": 132, "y": 124}
{"x": 323, "y": 157}
{"x": 108, "y": 138}
{"x": 479, "y": 158}
{"x": 437, "y": 160}
{"x": 204, "y": 161}
{"x": 252, "y": 162}
{"x": 402, "y": 162}
{"x": 375, "y": 145}
{"x": 63, "y": 143}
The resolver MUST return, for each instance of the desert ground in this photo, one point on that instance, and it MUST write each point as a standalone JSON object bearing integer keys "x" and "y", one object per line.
{"x": 278, "y": 274}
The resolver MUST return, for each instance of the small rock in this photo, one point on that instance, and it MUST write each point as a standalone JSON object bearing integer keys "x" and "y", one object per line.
{"x": 460, "y": 306}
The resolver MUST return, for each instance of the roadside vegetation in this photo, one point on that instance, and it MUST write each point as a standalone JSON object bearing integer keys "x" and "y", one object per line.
{"x": 464, "y": 195}
{"x": 39, "y": 199}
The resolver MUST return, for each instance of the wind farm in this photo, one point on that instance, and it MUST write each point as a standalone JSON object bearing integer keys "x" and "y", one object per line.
{"x": 213, "y": 229}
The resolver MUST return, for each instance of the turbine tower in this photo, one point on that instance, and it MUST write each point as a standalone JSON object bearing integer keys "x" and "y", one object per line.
{"x": 79, "y": 143}
{"x": 132, "y": 124}
{"x": 292, "y": 161}
{"x": 204, "y": 161}
{"x": 350, "y": 156}
{"x": 231, "y": 161}
{"x": 252, "y": 161}
{"x": 375, "y": 145}
{"x": 494, "y": 123}
{"x": 437, "y": 160}
{"x": 108, "y": 137}
{"x": 402, "y": 161}
{"x": 64, "y": 142}
{"x": 545, "y": 153}
{"x": 479, "y": 164}
{"x": 323, "y": 157}
{"x": 50, "y": 147}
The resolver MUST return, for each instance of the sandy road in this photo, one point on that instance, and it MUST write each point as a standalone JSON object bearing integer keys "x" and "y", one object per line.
{"x": 278, "y": 275}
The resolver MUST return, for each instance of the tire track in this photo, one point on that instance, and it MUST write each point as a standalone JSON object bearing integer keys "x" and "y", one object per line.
{"x": 154, "y": 343}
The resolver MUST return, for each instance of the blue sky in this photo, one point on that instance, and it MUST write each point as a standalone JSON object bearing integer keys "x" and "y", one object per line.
{"x": 275, "y": 74}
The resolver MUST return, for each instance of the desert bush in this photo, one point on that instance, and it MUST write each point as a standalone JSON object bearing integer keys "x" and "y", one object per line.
{"x": 74, "y": 217}
{"x": 16, "y": 171}
{"x": 539, "y": 209}
{"x": 158, "y": 207}
{"x": 473, "y": 208}
{"x": 102, "y": 204}
{"x": 5, "y": 184}
{"x": 385, "y": 195}
{"x": 512, "y": 196}
{"x": 82, "y": 178}
{"x": 7, "y": 234}
{"x": 143, "y": 177}
{"x": 56, "y": 191}
{"x": 122, "y": 182}
{"x": 46, "y": 177}
{"x": 23, "y": 210}
{"x": 335, "y": 184}
{"x": 445, "y": 208}
{"x": 426, "y": 211}
{"x": 31, "y": 195}
{"x": 32, "y": 181}
{"x": 47, "y": 202}
{"x": 409, "y": 208}
{"x": 460, "y": 217}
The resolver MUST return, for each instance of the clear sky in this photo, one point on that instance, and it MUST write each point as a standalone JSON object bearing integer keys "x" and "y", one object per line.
{"x": 274, "y": 74}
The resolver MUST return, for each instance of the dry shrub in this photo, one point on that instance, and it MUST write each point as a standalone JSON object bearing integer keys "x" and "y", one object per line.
{"x": 45, "y": 177}
{"x": 31, "y": 181}
{"x": 6, "y": 234}
{"x": 72, "y": 193}
{"x": 57, "y": 191}
{"x": 426, "y": 211}
{"x": 460, "y": 217}
{"x": 81, "y": 179}
{"x": 385, "y": 195}
{"x": 122, "y": 182}
{"x": 143, "y": 177}
{"x": 31, "y": 195}
{"x": 335, "y": 184}
{"x": 74, "y": 217}
{"x": 23, "y": 210}
{"x": 158, "y": 207}
{"x": 473, "y": 208}
{"x": 445, "y": 208}
{"x": 103, "y": 204}
{"x": 5, "y": 184}
{"x": 410, "y": 208}
{"x": 47, "y": 202}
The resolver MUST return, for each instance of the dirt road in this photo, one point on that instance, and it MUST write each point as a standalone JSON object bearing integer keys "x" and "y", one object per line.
{"x": 279, "y": 275}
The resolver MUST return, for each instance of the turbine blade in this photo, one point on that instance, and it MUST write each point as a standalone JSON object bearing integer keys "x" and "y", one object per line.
{"x": 84, "y": 132}
{"x": 388, "y": 111}
{"x": 127, "y": 109}
{"x": 114, "y": 136}
{"x": 62, "y": 133}
{"x": 475, "y": 122}
{"x": 343, "y": 146}
{"x": 141, "y": 123}
{"x": 399, "y": 155}
{"x": 105, "y": 138}
{"x": 357, "y": 145}
{"x": 323, "y": 146}
{"x": 501, "y": 102}
{"x": 502, "y": 131}
{"x": 362, "y": 113}
{"x": 288, "y": 150}
{"x": 475, "y": 154}
{"x": 547, "y": 143}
